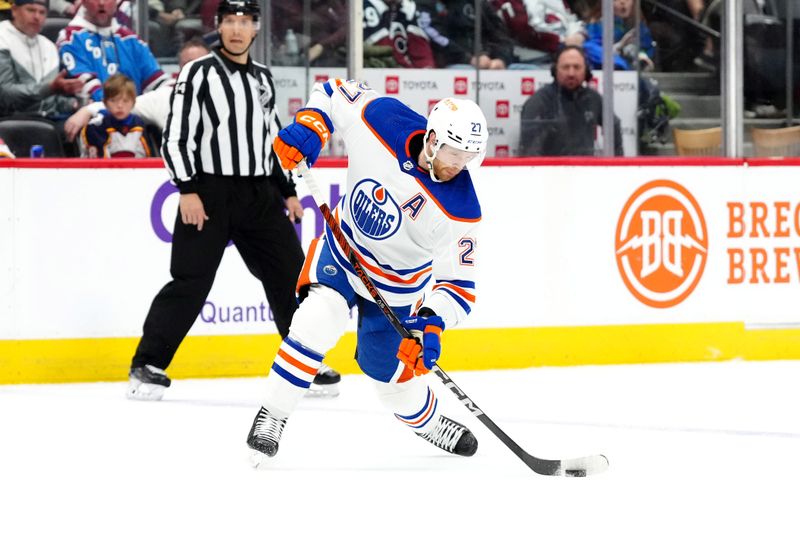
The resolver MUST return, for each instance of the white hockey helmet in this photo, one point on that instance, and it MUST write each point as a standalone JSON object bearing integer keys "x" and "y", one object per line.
{"x": 459, "y": 124}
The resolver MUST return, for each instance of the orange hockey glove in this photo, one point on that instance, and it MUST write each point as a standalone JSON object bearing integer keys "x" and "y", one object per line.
{"x": 304, "y": 138}
{"x": 421, "y": 352}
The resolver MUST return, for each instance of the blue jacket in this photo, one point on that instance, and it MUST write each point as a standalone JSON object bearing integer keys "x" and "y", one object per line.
{"x": 94, "y": 54}
{"x": 594, "y": 43}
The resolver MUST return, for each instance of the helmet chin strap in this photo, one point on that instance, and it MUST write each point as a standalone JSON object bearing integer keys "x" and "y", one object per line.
{"x": 429, "y": 158}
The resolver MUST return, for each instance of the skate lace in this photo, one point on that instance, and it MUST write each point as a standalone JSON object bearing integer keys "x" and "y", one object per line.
{"x": 268, "y": 427}
{"x": 324, "y": 369}
{"x": 445, "y": 434}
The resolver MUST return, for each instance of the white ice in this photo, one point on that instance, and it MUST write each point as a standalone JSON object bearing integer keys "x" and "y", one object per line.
{"x": 692, "y": 448}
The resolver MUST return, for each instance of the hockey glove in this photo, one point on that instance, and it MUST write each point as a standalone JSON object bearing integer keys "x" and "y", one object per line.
{"x": 305, "y": 138}
{"x": 422, "y": 351}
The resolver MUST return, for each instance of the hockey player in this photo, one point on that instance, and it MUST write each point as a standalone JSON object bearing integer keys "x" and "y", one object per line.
{"x": 411, "y": 215}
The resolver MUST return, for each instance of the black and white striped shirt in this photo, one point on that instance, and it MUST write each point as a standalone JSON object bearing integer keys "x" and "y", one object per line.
{"x": 222, "y": 121}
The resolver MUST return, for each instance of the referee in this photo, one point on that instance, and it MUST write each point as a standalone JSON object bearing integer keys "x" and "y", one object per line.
{"x": 218, "y": 150}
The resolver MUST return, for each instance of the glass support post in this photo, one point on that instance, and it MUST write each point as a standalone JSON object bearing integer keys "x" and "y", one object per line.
{"x": 732, "y": 78}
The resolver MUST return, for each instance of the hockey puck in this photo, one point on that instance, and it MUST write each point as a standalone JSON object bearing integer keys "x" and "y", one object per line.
{"x": 575, "y": 473}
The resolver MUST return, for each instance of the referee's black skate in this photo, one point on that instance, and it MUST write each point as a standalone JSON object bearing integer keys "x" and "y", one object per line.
{"x": 326, "y": 383}
{"x": 452, "y": 437}
{"x": 264, "y": 436}
{"x": 147, "y": 383}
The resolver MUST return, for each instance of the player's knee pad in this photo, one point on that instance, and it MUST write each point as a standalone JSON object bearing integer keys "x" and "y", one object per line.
{"x": 412, "y": 402}
{"x": 321, "y": 319}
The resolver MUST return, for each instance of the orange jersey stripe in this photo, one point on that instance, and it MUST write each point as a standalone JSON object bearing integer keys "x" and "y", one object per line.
{"x": 377, "y": 270}
{"x": 297, "y": 364}
{"x": 425, "y": 414}
{"x": 464, "y": 294}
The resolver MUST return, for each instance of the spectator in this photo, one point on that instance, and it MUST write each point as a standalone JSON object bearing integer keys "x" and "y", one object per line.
{"x": 539, "y": 27}
{"x": 679, "y": 43}
{"x": 63, "y": 8}
{"x": 176, "y": 23}
{"x": 30, "y": 79}
{"x": 116, "y": 131}
{"x": 562, "y": 118}
{"x": 95, "y": 46}
{"x": 326, "y": 43}
{"x": 392, "y": 36}
{"x": 450, "y": 25}
{"x": 152, "y": 107}
{"x": 626, "y": 54}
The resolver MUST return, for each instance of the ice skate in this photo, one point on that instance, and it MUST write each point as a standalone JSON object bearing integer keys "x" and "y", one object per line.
{"x": 452, "y": 437}
{"x": 147, "y": 383}
{"x": 264, "y": 436}
{"x": 325, "y": 384}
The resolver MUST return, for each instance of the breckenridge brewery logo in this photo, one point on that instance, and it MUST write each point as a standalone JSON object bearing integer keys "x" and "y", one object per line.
{"x": 661, "y": 243}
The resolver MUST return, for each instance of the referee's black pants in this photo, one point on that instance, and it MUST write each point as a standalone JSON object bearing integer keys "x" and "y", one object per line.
{"x": 250, "y": 212}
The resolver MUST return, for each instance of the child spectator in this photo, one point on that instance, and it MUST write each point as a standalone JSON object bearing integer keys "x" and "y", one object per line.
{"x": 115, "y": 131}
{"x": 625, "y": 54}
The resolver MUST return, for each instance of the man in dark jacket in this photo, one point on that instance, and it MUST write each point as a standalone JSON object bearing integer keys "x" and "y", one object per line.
{"x": 561, "y": 118}
{"x": 450, "y": 25}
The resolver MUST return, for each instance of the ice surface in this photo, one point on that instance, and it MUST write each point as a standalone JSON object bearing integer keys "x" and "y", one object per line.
{"x": 693, "y": 448}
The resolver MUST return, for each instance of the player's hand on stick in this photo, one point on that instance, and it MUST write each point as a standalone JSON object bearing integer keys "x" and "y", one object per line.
{"x": 305, "y": 138}
{"x": 422, "y": 351}
{"x": 192, "y": 210}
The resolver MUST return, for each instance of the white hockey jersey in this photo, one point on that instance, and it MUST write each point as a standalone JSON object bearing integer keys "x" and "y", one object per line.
{"x": 415, "y": 237}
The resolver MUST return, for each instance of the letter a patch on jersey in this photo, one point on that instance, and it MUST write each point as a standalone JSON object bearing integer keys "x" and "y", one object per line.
{"x": 414, "y": 206}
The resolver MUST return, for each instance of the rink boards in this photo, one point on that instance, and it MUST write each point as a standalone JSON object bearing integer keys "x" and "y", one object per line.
{"x": 579, "y": 262}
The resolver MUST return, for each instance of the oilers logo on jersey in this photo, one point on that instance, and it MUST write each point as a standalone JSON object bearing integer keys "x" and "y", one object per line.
{"x": 375, "y": 213}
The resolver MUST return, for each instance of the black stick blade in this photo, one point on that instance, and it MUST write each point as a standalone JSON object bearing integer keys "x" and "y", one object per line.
{"x": 579, "y": 467}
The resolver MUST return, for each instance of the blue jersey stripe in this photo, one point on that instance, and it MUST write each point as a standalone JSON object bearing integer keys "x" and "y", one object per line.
{"x": 419, "y": 413}
{"x": 363, "y": 251}
{"x": 291, "y": 378}
{"x": 463, "y": 303}
{"x": 345, "y": 264}
{"x": 308, "y": 352}
{"x": 458, "y": 282}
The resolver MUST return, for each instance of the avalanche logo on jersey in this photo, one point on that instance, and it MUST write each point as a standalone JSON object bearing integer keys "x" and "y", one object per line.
{"x": 374, "y": 211}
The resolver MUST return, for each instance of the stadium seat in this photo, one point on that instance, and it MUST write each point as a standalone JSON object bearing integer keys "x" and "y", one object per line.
{"x": 52, "y": 26}
{"x": 22, "y": 133}
{"x": 706, "y": 142}
{"x": 776, "y": 142}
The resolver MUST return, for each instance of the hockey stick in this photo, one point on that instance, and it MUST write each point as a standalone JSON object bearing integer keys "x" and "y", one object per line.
{"x": 578, "y": 467}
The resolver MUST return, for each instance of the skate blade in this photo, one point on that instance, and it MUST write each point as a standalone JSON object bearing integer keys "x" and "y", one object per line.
{"x": 323, "y": 391}
{"x": 145, "y": 391}
{"x": 258, "y": 460}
